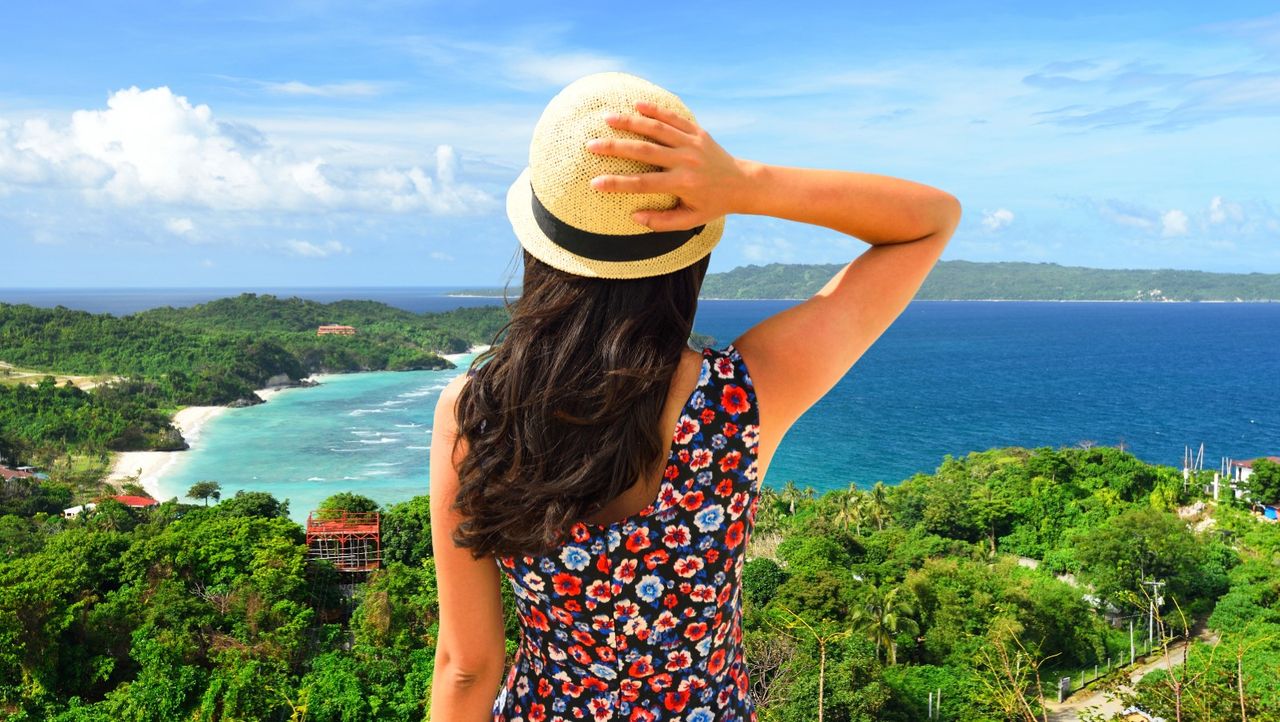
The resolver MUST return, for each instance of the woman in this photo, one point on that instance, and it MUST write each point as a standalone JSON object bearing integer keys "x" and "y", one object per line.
{"x": 553, "y": 462}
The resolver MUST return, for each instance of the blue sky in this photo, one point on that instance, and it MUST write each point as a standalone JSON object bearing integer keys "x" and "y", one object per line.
{"x": 306, "y": 143}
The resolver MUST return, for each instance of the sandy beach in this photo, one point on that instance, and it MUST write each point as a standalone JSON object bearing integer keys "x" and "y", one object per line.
{"x": 150, "y": 466}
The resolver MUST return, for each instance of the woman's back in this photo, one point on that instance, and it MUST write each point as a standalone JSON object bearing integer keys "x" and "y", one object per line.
{"x": 639, "y": 619}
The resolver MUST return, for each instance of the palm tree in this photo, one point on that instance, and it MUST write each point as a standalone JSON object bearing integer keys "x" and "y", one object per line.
{"x": 878, "y": 505}
{"x": 851, "y": 509}
{"x": 882, "y": 616}
{"x": 797, "y": 622}
{"x": 790, "y": 494}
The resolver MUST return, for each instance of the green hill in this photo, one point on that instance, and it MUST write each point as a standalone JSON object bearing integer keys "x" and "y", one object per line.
{"x": 1005, "y": 280}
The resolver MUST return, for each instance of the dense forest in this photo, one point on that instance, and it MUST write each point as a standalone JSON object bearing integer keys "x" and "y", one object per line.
{"x": 214, "y": 353}
{"x": 986, "y": 581}
{"x": 1008, "y": 280}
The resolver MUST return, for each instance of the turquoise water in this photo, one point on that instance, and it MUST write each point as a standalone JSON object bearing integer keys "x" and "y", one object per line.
{"x": 949, "y": 377}
{"x": 369, "y": 433}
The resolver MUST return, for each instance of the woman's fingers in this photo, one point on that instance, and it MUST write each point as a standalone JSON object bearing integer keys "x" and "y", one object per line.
{"x": 657, "y": 182}
{"x": 666, "y": 116}
{"x": 641, "y": 150}
{"x": 655, "y": 129}
{"x": 679, "y": 218}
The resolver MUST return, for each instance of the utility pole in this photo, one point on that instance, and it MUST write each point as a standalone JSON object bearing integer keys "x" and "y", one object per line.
{"x": 1151, "y": 612}
{"x": 1131, "y": 641}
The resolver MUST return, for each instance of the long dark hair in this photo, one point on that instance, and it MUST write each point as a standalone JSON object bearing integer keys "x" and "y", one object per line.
{"x": 562, "y": 413}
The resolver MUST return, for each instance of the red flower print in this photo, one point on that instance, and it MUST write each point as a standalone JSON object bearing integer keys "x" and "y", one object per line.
{"x": 734, "y": 399}
{"x": 692, "y": 500}
{"x": 580, "y": 654}
{"x": 733, "y": 537}
{"x": 583, "y": 637}
{"x": 544, "y": 687}
{"x": 638, "y": 539}
{"x": 724, "y": 368}
{"x": 566, "y": 584}
{"x": 686, "y": 429}
{"x": 678, "y": 659}
{"x": 629, "y": 690}
{"x": 703, "y": 593}
{"x": 605, "y": 654}
{"x": 626, "y": 570}
{"x": 711, "y": 555}
{"x": 685, "y": 588}
{"x": 599, "y": 589}
{"x": 665, "y": 621}
{"x": 640, "y": 714}
{"x": 572, "y": 605}
{"x": 672, "y": 472}
{"x": 660, "y": 681}
{"x": 580, "y": 532}
{"x": 599, "y": 708}
{"x": 723, "y": 596}
{"x": 725, "y": 487}
{"x": 675, "y": 701}
{"x": 730, "y": 460}
{"x": 642, "y": 667}
{"x": 538, "y": 620}
{"x": 730, "y": 429}
{"x": 708, "y": 415}
{"x": 562, "y": 616}
{"x": 655, "y": 557}
{"x": 675, "y": 535}
{"x": 571, "y": 688}
{"x": 688, "y": 566}
{"x": 670, "y": 601}
{"x": 602, "y": 563}
{"x": 537, "y": 712}
{"x": 716, "y": 663}
{"x": 701, "y": 459}
{"x": 695, "y": 631}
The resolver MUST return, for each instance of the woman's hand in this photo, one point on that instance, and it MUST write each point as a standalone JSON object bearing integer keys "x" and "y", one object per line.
{"x": 708, "y": 181}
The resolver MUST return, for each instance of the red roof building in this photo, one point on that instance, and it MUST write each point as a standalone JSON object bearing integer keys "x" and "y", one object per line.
{"x": 135, "y": 502}
{"x": 6, "y": 473}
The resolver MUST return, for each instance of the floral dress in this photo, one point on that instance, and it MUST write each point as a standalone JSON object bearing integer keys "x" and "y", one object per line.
{"x": 640, "y": 619}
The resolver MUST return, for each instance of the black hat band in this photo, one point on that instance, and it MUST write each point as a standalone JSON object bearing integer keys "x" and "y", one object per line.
{"x": 604, "y": 246}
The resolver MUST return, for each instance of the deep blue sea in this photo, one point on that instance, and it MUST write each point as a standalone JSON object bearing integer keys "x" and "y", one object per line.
{"x": 948, "y": 377}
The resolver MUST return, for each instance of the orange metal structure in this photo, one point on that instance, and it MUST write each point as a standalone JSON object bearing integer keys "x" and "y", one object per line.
{"x": 352, "y": 541}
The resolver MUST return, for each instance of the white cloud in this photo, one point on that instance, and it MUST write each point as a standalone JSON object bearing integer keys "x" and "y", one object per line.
{"x": 328, "y": 90}
{"x": 152, "y": 146}
{"x": 1220, "y": 211}
{"x": 1174, "y": 223}
{"x": 206, "y": 263}
{"x": 441, "y": 256}
{"x": 306, "y": 249}
{"x": 179, "y": 226}
{"x": 997, "y": 219}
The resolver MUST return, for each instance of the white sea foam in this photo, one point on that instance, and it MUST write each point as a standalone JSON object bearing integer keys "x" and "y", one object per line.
{"x": 315, "y": 478}
{"x": 362, "y": 412}
{"x": 376, "y": 473}
{"x": 420, "y": 448}
{"x": 361, "y": 448}
{"x": 386, "y": 463}
{"x": 379, "y": 440}
{"x": 409, "y": 425}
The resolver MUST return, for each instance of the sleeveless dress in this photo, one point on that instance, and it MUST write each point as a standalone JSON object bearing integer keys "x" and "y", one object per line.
{"x": 640, "y": 619}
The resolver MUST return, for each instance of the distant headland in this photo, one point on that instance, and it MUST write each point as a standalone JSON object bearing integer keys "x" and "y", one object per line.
{"x": 994, "y": 281}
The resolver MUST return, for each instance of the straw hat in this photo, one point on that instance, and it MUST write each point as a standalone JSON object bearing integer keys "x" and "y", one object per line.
{"x": 564, "y": 222}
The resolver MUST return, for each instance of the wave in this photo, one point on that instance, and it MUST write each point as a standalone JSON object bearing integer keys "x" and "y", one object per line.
{"x": 379, "y": 440}
{"x": 362, "y": 412}
{"x": 346, "y": 450}
{"x": 386, "y": 463}
{"x": 394, "y": 402}
{"x": 420, "y": 448}
{"x": 376, "y": 473}
{"x": 315, "y": 478}
{"x": 409, "y": 425}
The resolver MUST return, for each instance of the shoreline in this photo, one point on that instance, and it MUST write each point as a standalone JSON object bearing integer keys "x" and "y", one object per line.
{"x": 151, "y": 466}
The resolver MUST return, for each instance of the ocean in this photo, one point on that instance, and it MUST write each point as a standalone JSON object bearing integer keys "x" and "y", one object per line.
{"x": 949, "y": 377}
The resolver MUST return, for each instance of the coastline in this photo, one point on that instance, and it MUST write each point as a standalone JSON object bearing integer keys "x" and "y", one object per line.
{"x": 151, "y": 466}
